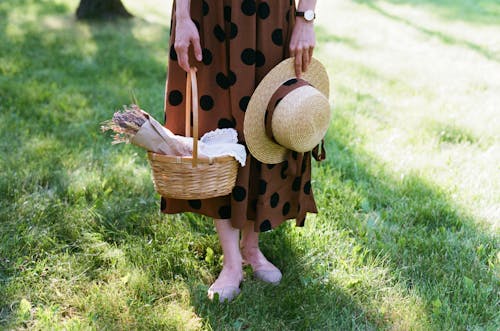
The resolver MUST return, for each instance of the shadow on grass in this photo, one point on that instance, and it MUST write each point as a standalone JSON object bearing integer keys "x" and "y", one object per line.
{"x": 478, "y": 12}
{"x": 443, "y": 37}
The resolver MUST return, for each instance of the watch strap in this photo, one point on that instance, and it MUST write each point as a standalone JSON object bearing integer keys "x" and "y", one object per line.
{"x": 302, "y": 14}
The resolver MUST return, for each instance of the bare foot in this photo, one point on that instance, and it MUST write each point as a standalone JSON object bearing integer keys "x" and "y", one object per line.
{"x": 227, "y": 285}
{"x": 262, "y": 268}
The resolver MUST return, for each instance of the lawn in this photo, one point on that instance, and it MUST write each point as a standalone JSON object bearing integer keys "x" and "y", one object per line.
{"x": 408, "y": 233}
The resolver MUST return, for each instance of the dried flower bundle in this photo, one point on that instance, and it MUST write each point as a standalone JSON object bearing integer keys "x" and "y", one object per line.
{"x": 125, "y": 124}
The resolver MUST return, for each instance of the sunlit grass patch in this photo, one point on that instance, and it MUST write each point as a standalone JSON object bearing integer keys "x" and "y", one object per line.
{"x": 448, "y": 133}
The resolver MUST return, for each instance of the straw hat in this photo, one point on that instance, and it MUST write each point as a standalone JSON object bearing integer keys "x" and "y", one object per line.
{"x": 286, "y": 113}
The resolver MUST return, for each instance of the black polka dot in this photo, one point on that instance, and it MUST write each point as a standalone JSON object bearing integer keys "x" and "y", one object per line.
{"x": 275, "y": 199}
{"x": 175, "y": 97}
{"x": 258, "y": 165}
{"x": 284, "y": 168}
{"x": 262, "y": 186}
{"x": 286, "y": 208}
{"x": 225, "y": 81}
{"x": 270, "y": 166}
{"x": 248, "y": 56}
{"x": 195, "y": 204}
{"x": 239, "y": 193}
{"x": 277, "y": 37}
{"x": 233, "y": 30}
{"x": 206, "y": 102}
{"x": 205, "y": 8}
{"x": 225, "y": 123}
{"x": 163, "y": 203}
{"x": 219, "y": 33}
{"x": 173, "y": 53}
{"x": 248, "y": 7}
{"x": 225, "y": 212}
{"x": 296, "y": 184}
{"x": 260, "y": 59}
{"x": 207, "y": 56}
{"x": 263, "y": 10}
{"x": 265, "y": 226}
{"x": 244, "y": 103}
{"x": 227, "y": 13}
{"x": 290, "y": 82}
{"x": 295, "y": 155}
{"x": 221, "y": 80}
{"x": 307, "y": 187}
{"x": 304, "y": 165}
{"x": 231, "y": 78}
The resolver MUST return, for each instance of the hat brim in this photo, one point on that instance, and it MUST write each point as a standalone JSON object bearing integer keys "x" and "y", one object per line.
{"x": 260, "y": 146}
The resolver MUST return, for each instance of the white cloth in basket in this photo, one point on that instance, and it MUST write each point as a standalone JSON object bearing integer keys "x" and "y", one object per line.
{"x": 221, "y": 142}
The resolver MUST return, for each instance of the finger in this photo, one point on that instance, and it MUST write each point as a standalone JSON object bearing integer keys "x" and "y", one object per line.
{"x": 305, "y": 60}
{"x": 298, "y": 63}
{"x": 182, "y": 57}
{"x": 197, "y": 48}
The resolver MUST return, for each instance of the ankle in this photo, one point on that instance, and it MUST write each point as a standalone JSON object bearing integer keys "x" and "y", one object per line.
{"x": 249, "y": 251}
{"x": 232, "y": 260}
{"x": 233, "y": 264}
{"x": 231, "y": 273}
{"x": 245, "y": 246}
{"x": 230, "y": 267}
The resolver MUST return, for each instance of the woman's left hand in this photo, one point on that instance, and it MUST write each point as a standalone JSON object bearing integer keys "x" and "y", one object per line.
{"x": 302, "y": 44}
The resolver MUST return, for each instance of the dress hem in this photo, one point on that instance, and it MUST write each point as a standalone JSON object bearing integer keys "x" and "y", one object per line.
{"x": 298, "y": 222}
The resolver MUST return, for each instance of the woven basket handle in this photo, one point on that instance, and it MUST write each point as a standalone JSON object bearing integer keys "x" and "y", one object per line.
{"x": 192, "y": 101}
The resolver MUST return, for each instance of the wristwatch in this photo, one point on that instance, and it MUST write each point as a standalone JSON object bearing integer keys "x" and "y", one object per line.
{"x": 308, "y": 15}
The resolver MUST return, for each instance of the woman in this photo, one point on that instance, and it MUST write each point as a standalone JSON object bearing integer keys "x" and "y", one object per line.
{"x": 233, "y": 44}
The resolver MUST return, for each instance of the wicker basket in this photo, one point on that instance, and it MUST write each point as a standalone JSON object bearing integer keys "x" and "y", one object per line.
{"x": 191, "y": 177}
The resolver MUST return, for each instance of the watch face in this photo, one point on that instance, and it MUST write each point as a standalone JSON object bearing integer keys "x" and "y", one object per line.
{"x": 309, "y": 15}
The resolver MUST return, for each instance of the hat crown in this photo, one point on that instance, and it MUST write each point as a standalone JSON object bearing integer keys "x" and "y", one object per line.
{"x": 301, "y": 119}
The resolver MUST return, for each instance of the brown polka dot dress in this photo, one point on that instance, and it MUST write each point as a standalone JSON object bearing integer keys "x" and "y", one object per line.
{"x": 241, "y": 41}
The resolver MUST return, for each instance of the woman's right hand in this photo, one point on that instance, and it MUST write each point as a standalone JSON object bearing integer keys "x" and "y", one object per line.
{"x": 186, "y": 34}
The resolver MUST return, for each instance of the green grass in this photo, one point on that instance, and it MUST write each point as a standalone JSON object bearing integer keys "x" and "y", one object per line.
{"x": 407, "y": 237}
